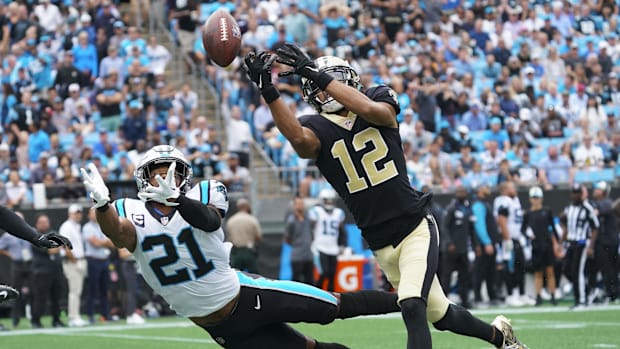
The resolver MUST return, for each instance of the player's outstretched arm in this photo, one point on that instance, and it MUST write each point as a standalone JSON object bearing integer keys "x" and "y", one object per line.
{"x": 16, "y": 226}
{"x": 120, "y": 230}
{"x": 303, "y": 140}
{"x": 378, "y": 113}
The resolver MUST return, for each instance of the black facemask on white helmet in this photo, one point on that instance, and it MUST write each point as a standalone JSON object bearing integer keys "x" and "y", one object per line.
{"x": 163, "y": 155}
{"x": 341, "y": 71}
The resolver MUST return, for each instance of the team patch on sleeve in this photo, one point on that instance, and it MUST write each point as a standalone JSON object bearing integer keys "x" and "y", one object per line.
{"x": 120, "y": 208}
{"x": 384, "y": 94}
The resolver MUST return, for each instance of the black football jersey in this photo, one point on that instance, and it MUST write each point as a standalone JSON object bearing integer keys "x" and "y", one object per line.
{"x": 366, "y": 166}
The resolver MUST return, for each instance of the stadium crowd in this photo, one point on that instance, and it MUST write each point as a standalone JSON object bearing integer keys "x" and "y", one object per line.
{"x": 490, "y": 92}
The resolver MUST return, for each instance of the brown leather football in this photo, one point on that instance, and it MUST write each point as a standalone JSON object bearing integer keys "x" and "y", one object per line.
{"x": 221, "y": 37}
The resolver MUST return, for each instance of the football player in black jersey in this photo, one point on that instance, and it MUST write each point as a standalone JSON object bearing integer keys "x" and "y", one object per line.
{"x": 355, "y": 143}
{"x": 15, "y": 225}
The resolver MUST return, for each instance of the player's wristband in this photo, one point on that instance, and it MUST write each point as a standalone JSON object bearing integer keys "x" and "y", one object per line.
{"x": 270, "y": 94}
{"x": 104, "y": 207}
{"x": 322, "y": 79}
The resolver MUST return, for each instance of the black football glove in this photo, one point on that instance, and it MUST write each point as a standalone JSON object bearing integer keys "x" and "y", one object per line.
{"x": 7, "y": 293}
{"x": 258, "y": 68}
{"x": 52, "y": 240}
{"x": 302, "y": 64}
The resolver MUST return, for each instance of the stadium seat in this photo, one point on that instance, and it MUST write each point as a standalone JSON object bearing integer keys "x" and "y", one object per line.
{"x": 586, "y": 176}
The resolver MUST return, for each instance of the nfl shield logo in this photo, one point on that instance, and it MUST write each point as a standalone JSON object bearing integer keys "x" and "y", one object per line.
{"x": 164, "y": 220}
{"x": 348, "y": 124}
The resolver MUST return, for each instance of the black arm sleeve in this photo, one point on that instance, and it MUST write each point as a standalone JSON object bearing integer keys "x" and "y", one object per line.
{"x": 198, "y": 214}
{"x": 14, "y": 225}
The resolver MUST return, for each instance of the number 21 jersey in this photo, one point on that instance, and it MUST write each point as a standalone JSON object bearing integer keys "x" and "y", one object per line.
{"x": 188, "y": 267}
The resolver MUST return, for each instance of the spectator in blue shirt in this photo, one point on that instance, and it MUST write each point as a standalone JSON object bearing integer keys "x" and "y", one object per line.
{"x": 38, "y": 142}
{"x": 85, "y": 56}
{"x": 557, "y": 168}
{"x": 492, "y": 69}
{"x": 479, "y": 36}
{"x": 496, "y": 133}
{"x": 134, "y": 125}
{"x": 475, "y": 119}
{"x": 333, "y": 22}
{"x": 133, "y": 39}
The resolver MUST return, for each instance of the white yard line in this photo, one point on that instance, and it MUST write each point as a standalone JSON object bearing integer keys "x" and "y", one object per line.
{"x": 157, "y": 325}
{"x": 524, "y": 310}
{"x": 139, "y": 337}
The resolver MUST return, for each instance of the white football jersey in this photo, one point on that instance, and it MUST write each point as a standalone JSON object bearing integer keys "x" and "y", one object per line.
{"x": 515, "y": 214}
{"x": 188, "y": 267}
{"x": 326, "y": 228}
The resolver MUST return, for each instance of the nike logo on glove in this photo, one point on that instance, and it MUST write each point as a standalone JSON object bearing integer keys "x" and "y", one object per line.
{"x": 260, "y": 81}
{"x": 257, "y": 306}
{"x": 4, "y": 295}
{"x": 316, "y": 70}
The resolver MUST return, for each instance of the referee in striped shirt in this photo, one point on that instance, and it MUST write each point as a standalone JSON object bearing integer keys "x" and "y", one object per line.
{"x": 580, "y": 230}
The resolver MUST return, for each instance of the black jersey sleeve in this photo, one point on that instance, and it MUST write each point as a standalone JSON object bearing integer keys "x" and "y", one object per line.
{"x": 384, "y": 94}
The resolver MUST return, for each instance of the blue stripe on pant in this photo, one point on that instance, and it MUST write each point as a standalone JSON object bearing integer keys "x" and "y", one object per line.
{"x": 287, "y": 286}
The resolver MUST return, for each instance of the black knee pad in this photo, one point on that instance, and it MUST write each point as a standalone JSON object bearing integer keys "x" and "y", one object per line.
{"x": 413, "y": 309}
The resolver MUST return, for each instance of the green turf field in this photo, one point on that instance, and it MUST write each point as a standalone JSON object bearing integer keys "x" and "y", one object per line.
{"x": 555, "y": 328}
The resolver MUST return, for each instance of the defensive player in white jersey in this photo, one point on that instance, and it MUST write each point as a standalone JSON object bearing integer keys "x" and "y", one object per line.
{"x": 175, "y": 234}
{"x": 509, "y": 215}
{"x": 329, "y": 235}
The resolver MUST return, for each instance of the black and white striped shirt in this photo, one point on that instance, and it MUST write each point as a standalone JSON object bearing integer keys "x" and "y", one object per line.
{"x": 580, "y": 219}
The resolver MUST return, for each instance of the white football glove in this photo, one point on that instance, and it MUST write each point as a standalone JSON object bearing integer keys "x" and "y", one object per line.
{"x": 99, "y": 192}
{"x": 166, "y": 190}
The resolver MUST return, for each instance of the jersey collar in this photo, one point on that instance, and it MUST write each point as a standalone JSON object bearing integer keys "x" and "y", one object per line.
{"x": 345, "y": 122}
{"x": 162, "y": 218}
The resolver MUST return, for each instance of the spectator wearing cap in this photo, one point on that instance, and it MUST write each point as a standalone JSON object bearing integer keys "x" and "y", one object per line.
{"x": 589, "y": 156}
{"x": 604, "y": 58}
{"x": 109, "y": 100}
{"x": 475, "y": 119}
{"x": 497, "y": 134}
{"x": 42, "y": 169}
{"x": 119, "y": 35}
{"x": 49, "y": 46}
{"x": 85, "y": 55}
{"x": 74, "y": 99}
{"x": 87, "y": 26}
{"x": 465, "y": 162}
{"x": 24, "y": 114}
{"x": 105, "y": 18}
{"x": 81, "y": 121}
{"x": 406, "y": 128}
{"x": 553, "y": 125}
{"x": 134, "y": 125}
{"x": 67, "y": 74}
{"x": 578, "y": 100}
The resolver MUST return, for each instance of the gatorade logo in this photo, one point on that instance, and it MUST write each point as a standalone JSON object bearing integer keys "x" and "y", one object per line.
{"x": 348, "y": 278}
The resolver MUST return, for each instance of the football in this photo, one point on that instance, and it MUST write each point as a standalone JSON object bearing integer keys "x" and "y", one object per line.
{"x": 221, "y": 37}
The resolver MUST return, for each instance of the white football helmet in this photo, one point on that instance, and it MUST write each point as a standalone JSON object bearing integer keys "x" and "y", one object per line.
{"x": 328, "y": 196}
{"x": 341, "y": 71}
{"x": 218, "y": 196}
{"x": 163, "y": 154}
